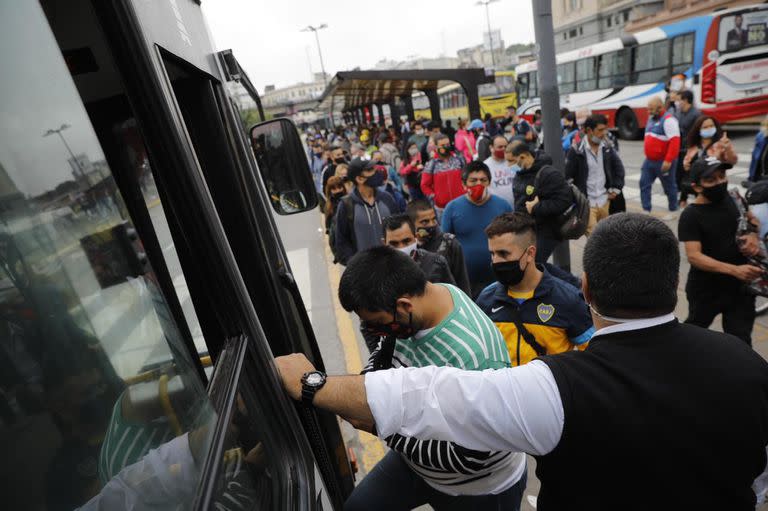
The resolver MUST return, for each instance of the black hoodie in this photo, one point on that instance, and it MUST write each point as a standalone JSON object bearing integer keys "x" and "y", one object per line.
{"x": 552, "y": 190}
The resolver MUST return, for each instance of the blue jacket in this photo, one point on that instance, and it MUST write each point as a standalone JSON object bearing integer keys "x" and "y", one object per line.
{"x": 556, "y": 316}
{"x": 760, "y": 141}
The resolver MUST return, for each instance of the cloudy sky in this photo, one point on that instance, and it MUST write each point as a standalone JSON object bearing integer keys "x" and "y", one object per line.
{"x": 265, "y": 35}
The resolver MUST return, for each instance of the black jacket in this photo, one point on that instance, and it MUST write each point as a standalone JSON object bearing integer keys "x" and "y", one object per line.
{"x": 552, "y": 190}
{"x": 448, "y": 246}
{"x": 576, "y": 167}
{"x": 434, "y": 266}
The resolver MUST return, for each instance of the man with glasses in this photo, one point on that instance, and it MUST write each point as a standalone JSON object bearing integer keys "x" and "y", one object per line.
{"x": 423, "y": 324}
{"x": 467, "y": 216}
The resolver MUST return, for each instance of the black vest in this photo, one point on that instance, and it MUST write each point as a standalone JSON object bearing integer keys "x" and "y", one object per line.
{"x": 668, "y": 417}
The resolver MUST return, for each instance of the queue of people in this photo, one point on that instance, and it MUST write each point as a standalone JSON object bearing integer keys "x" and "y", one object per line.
{"x": 455, "y": 275}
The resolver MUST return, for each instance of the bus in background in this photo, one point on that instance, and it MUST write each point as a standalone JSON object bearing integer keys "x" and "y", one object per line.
{"x": 494, "y": 99}
{"x": 723, "y": 56}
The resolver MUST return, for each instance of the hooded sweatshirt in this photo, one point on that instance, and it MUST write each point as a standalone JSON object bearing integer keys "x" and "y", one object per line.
{"x": 365, "y": 229}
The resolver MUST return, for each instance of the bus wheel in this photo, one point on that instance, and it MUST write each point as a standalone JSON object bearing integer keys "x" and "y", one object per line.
{"x": 626, "y": 123}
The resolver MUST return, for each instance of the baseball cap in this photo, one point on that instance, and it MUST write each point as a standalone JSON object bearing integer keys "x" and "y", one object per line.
{"x": 476, "y": 124}
{"x": 704, "y": 167}
{"x": 357, "y": 166}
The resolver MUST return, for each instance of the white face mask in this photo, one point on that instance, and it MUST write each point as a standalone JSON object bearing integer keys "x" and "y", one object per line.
{"x": 409, "y": 249}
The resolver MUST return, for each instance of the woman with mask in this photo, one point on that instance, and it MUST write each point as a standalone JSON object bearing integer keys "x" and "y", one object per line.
{"x": 705, "y": 139}
{"x": 465, "y": 141}
{"x": 335, "y": 190}
{"x": 410, "y": 169}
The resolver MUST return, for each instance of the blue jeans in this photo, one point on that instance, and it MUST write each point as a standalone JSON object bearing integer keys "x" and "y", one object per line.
{"x": 393, "y": 486}
{"x": 651, "y": 170}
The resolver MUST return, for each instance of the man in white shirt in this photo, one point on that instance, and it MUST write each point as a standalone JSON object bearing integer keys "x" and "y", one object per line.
{"x": 502, "y": 172}
{"x": 650, "y": 400}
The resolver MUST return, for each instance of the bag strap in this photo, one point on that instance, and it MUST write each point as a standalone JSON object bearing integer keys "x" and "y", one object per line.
{"x": 527, "y": 336}
{"x": 385, "y": 354}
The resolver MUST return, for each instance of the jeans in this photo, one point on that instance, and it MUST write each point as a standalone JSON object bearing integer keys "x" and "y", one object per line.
{"x": 393, "y": 486}
{"x": 737, "y": 308}
{"x": 651, "y": 170}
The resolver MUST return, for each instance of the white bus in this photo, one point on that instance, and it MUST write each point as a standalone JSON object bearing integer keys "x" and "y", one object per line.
{"x": 723, "y": 57}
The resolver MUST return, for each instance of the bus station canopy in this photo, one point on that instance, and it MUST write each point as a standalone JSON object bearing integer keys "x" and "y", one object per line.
{"x": 351, "y": 90}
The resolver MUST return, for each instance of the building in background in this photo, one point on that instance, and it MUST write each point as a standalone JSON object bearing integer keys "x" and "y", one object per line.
{"x": 441, "y": 62}
{"x": 580, "y": 23}
{"x": 295, "y": 101}
{"x": 677, "y": 10}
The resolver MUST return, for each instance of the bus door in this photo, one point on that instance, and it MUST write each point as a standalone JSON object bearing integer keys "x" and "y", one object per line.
{"x": 118, "y": 287}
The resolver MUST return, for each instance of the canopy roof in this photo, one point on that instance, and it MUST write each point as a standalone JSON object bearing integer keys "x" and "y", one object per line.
{"x": 354, "y": 89}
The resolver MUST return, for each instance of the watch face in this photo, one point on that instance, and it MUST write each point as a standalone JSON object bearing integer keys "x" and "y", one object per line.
{"x": 314, "y": 379}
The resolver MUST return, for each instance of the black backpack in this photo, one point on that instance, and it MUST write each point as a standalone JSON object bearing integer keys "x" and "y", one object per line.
{"x": 349, "y": 209}
{"x": 575, "y": 219}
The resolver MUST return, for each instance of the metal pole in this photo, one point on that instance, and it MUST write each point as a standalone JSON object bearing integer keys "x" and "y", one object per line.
{"x": 322, "y": 66}
{"x": 490, "y": 36}
{"x": 550, "y": 101}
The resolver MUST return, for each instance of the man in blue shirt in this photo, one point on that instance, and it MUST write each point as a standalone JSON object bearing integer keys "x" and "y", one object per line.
{"x": 467, "y": 216}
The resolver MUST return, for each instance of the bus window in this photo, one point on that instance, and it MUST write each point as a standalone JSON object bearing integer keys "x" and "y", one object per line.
{"x": 96, "y": 375}
{"x": 682, "y": 53}
{"x": 743, "y": 30}
{"x": 586, "y": 79}
{"x": 522, "y": 86}
{"x": 566, "y": 78}
{"x": 608, "y": 70}
{"x": 650, "y": 62}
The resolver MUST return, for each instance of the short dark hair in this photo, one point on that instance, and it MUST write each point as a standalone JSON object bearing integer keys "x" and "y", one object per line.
{"x": 499, "y": 136}
{"x": 434, "y": 124}
{"x": 593, "y": 120}
{"x": 523, "y": 148}
{"x": 377, "y": 277}
{"x": 475, "y": 166}
{"x": 632, "y": 263}
{"x": 418, "y": 122}
{"x": 514, "y": 223}
{"x": 687, "y": 96}
{"x": 394, "y": 222}
{"x": 417, "y": 205}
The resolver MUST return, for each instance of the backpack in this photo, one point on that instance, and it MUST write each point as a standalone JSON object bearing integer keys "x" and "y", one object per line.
{"x": 575, "y": 219}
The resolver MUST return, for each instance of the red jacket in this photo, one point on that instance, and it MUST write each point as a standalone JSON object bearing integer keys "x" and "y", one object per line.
{"x": 442, "y": 179}
{"x": 662, "y": 138}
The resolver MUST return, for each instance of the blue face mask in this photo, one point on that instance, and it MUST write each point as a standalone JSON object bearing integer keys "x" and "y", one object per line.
{"x": 707, "y": 132}
{"x": 515, "y": 168}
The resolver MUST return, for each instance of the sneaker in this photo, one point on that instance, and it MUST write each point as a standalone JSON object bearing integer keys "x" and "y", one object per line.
{"x": 670, "y": 216}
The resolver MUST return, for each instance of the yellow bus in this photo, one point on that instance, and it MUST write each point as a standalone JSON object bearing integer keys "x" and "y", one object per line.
{"x": 494, "y": 99}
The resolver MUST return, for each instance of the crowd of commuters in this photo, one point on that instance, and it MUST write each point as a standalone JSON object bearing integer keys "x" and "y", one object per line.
{"x": 446, "y": 235}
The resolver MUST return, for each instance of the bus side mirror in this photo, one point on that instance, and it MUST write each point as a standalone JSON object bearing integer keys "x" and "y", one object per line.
{"x": 283, "y": 166}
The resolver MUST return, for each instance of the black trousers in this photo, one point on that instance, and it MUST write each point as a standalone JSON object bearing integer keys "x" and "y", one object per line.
{"x": 737, "y": 308}
{"x": 545, "y": 245}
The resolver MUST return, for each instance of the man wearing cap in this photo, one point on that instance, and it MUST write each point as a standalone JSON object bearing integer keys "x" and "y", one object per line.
{"x": 719, "y": 266}
{"x": 360, "y": 214}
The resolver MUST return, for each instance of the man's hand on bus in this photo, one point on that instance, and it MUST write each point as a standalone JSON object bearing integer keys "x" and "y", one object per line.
{"x": 342, "y": 395}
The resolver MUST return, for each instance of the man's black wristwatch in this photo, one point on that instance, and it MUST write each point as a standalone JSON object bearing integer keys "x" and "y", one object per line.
{"x": 311, "y": 382}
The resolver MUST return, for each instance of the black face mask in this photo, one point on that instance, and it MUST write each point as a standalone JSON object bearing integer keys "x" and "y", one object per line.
{"x": 716, "y": 194}
{"x": 509, "y": 273}
{"x": 339, "y": 161}
{"x": 427, "y": 233}
{"x": 376, "y": 180}
{"x": 336, "y": 197}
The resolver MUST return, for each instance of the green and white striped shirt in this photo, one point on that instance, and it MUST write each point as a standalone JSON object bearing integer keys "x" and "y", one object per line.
{"x": 467, "y": 339}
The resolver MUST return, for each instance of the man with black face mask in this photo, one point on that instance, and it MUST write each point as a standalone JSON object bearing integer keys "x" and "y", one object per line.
{"x": 337, "y": 158}
{"x": 432, "y": 239}
{"x": 537, "y": 313}
{"x": 424, "y": 324}
{"x": 360, "y": 214}
{"x": 719, "y": 267}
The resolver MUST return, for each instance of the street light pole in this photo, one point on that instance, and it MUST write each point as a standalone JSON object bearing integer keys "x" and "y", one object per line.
{"x": 488, "y": 22}
{"x": 58, "y": 131}
{"x": 550, "y": 101}
{"x": 310, "y": 28}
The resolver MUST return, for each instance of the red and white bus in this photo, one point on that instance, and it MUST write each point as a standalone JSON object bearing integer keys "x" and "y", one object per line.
{"x": 723, "y": 57}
